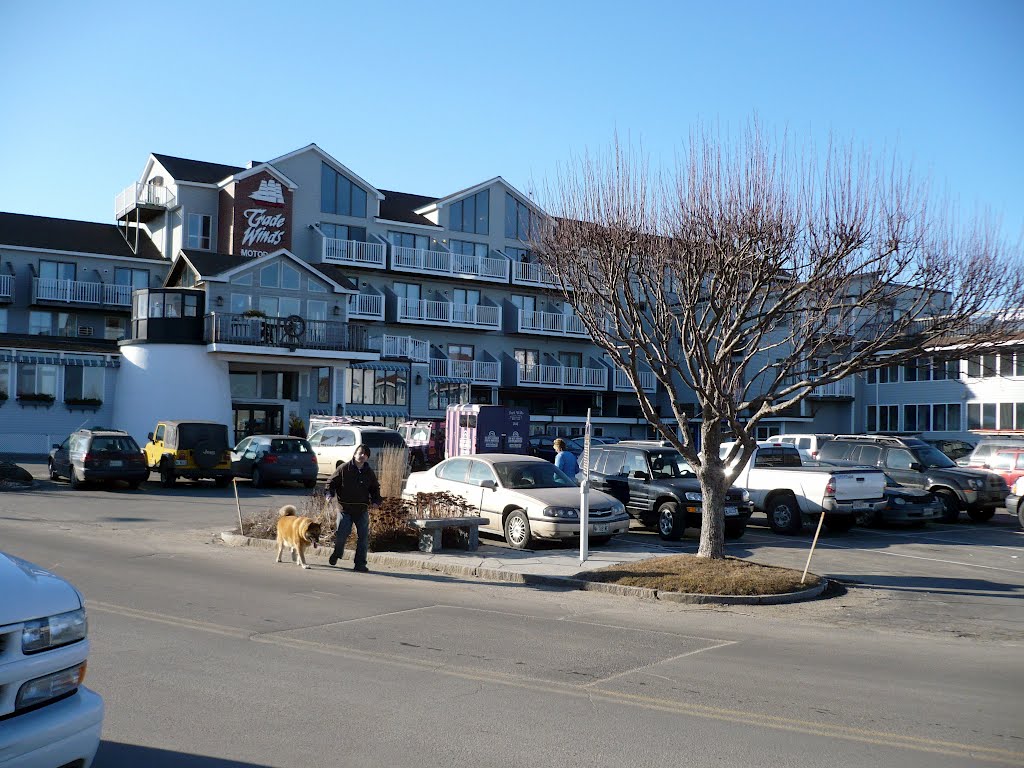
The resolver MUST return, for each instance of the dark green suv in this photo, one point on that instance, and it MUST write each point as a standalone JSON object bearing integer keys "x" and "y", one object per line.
{"x": 659, "y": 488}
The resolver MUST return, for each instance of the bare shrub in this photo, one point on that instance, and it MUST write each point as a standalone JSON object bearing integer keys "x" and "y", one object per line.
{"x": 392, "y": 470}
{"x": 439, "y": 504}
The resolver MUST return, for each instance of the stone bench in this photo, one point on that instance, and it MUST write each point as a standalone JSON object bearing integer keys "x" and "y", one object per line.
{"x": 431, "y": 529}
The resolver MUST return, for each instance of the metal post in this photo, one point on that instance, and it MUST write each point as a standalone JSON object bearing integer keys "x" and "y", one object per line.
{"x": 585, "y": 494}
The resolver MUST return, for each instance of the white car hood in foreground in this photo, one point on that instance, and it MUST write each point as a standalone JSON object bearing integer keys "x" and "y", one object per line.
{"x": 29, "y": 592}
{"x": 559, "y": 497}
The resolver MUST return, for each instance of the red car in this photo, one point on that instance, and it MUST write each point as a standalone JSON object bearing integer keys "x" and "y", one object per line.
{"x": 1008, "y": 463}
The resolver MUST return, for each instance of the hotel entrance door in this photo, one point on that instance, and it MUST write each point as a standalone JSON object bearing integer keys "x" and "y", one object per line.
{"x": 257, "y": 420}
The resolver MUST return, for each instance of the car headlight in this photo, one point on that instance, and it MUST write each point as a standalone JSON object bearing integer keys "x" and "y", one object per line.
{"x": 1018, "y": 487}
{"x": 693, "y": 496}
{"x": 52, "y": 632}
{"x": 568, "y": 513}
{"x": 618, "y": 508}
{"x": 974, "y": 484}
{"x": 746, "y": 496}
{"x": 899, "y": 502}
{"x": 49, "y": 687}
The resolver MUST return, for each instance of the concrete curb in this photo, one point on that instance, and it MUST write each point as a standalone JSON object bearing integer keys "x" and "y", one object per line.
{"x": 395, "y": 560}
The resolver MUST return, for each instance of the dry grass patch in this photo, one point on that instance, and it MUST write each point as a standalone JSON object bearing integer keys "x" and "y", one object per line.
{"x": 699, "y": 575}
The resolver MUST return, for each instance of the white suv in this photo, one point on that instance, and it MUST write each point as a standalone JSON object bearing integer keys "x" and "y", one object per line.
{"x": 48, "y": 717}
{"x": 808, "y": 445}
{"x": 336, "y": 444}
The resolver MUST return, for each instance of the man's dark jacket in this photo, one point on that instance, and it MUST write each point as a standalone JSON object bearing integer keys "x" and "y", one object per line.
{"x": 354, "y": 489}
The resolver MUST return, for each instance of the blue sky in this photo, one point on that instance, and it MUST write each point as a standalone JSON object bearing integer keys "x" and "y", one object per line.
{"x": 432, "y": 97}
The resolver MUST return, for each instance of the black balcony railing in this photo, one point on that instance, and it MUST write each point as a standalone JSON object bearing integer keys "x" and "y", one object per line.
{"x": 289, "y": 332}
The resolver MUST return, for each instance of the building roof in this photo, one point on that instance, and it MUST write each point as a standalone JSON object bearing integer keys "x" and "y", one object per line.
{"x": 338, "y": 276}
{"x": 58, "y": 343}
{"x": 401, "y": 206}
{"x": 206, "y": 263}
{"x": 183, "y": 169}
{"x": 18, "y": 229}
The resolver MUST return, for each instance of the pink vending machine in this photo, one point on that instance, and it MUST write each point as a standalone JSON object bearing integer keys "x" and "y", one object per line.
{"x": 474, "y": 428}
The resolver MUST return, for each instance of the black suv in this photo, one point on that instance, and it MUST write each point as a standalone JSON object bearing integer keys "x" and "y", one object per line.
{"x": 98, "y": 454}
{"x": 659, "y": 488}
{"x": 915, "y": 463}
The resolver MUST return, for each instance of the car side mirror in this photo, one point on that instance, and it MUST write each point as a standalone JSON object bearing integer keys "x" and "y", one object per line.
{"x": 150, "y": 437}
{"x": 488, "y": 484}
{"x": 638, "y": 475}
{"x": 56, "y": 445}
{"x": 916, "y": 467}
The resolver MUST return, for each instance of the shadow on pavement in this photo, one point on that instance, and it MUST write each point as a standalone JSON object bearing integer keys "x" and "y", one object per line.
{"x": 114, "y": 754}
{"x": 929, "y": 585}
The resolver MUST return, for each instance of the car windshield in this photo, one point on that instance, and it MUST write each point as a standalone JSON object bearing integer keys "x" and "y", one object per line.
{"x": 114, "y": 445}
{"x": 669, "y": 464}
{"x": 933, "y": 457}
{"x": 282, "y": 445}
{"x": 521, "y": 475}
{"x": 382, "y": 439}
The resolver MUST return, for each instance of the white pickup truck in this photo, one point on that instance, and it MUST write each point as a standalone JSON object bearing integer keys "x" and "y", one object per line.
{"x": 790, "y": 493}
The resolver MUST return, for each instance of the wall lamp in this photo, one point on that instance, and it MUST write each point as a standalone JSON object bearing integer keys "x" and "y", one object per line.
{"x": 419, "y": 379}
{"x": 337, "y": 310}
{"x": 220, "y": 301}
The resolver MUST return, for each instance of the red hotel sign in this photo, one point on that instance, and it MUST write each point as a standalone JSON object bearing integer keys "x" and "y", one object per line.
{"x": 260, "y": 211}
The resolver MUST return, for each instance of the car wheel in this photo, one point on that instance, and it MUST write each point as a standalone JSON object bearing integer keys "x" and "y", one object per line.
{"x": 166, "y": 475}
{"x": 517, "y": 530}
{"x": 784, "y": 514}
{"x": 839, "y": 523}
{"x": 981, "y": 515}
{"x": 670, "y": 523}
{"x": 950, "y": 507}
{"x": 257, "y": 478}
{"x": 76, "y": 482}
{"x": 134, "y": 485}
{"x": 1020, "y": 515}
{"x": 600, "y": 541}
{"x": 735, "y": 529}
{"x": 52, "y": 472}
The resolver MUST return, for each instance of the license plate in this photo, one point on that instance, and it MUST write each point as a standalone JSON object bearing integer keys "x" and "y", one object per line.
{"x": 180, "y": 462}
{"x": 600, "y": 527}
{"x": 116, "y": 463}
{"x": 731, "y": 512}
{"x": 296, "y": 471}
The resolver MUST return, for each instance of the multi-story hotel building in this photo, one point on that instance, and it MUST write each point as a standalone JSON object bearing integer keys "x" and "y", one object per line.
{"x": 254, "y": 294}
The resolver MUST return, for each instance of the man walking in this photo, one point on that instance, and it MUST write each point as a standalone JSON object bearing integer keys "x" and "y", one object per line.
{"x": 355, "y": 487}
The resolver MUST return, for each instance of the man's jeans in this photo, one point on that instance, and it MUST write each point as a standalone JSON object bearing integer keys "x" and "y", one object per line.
{"x": 362, "y": 520}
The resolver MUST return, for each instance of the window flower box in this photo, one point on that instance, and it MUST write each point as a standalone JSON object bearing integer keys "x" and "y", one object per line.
{"x": 36, "y": 399}
{"x": 82, "y": 403}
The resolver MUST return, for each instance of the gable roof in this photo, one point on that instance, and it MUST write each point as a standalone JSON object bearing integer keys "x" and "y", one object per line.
{"x": 183, "y": 169}
{"x": 20, "y": 230}
{"x": 402, "y": 206}
{"x": 218, "y": 267}
{"x": 330, "y": 161}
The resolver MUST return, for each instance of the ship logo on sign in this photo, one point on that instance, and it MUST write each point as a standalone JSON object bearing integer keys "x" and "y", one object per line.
{"x": 270, "y": 192}
{"x": 491, "y": 440}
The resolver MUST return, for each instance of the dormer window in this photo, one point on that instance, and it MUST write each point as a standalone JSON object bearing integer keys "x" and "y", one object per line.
{"x": 340, "y": 195}
{"x": 200, "y": 231}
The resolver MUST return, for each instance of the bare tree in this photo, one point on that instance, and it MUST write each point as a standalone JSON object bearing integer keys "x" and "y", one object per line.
{"x": 753, "y": 272}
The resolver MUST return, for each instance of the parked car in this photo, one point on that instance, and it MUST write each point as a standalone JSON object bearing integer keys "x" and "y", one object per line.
{"x": 48, "y": 717}
{"x": 98, "y": 455}
{"x": 955, "y": 449}
{"x": 1015, "y": 501}
{"x": 334, "y": 445}
{"x": 987, "y": 446}
{"x": 191, "y": 449}
{"x": 916, "y": 464}
{"x": 267, "y": 459}
{"x": 542, "y": 446}
{"x": 903, "y": 504}
{"x": 790, "y": 493}
{"x": 1008, "y": 463}
{"x": 523, "y": 498}
{"x": 660, "y": 489}
{"x": 808, "y": 445}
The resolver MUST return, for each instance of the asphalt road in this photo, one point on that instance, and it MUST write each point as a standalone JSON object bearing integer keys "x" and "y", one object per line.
{"x": 212, "y": 656}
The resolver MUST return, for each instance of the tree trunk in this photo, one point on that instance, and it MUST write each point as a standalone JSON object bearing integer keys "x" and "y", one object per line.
{"x": 713, "y": 488}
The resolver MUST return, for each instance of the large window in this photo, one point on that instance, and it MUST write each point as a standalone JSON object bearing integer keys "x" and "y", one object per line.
{"x": 521, "y": 223}
{"x": 468, "y": 248}
{"x": 83, "y": 383}
{"x": 280, "y": 276}
{"x": 323, "y": 385}
{"x": 115, "y": 328}
{"x": 1003, "y": 416}
{"x": 136, "y": 278}
{"x": 890, "y": 374}
{"x": 522, "y": 255}
{"x": 442, "y": 394}
{"x": 3, "y": 320}
{"x": 343, "y": 232}
{"x": 471, "y": 214}
{"x": 883, "y": 418}
{"x": 917, "y": 418}
{"x": 280, "y": 306}
{"x": 946, "y": 417}
{"x": 338, "y": 194}
{"x": 52, "y": 323}
{"x": 409, "y": 240}
{"x": 37, "y": 379}
{"x": 57, "y": 270}
{"x": 371, "y": 387}
{"x": 200, "y": 231}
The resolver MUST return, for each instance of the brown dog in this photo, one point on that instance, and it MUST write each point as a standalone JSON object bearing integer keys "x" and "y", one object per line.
{"x": 296, "y": 533}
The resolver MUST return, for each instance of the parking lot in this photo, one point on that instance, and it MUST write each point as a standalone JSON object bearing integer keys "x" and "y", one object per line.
{"x": 964, "y": 579}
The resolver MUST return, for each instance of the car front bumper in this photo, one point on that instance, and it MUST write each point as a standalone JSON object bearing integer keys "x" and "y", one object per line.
{"x": 911, "y": 513}
{"x": 546, "y": 528}
{"x": 1013, "y": 503}
{"x": 57, "y": 734}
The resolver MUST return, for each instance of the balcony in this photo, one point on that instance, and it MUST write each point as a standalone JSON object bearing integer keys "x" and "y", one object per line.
{"x": 537, "y": 275}
{"x": 47, "y": 289}
{"x": 352, "y": 253}
{"x": 561, "y": 376}
{"x": 329, "y": 335}
{"x": 6, "y": 287}
{"x": 365, "y": 306}
{"x": 449, "y": 264}
{"x": 475, "y": 371}
{"x": 621, "y": 382}
{"x": 552, "y": 324}
{"x": 839, "y": 389}
{"x": 445, "y": 313}
{"x": 148, "y": 200}
{"x": 406, "y": 348}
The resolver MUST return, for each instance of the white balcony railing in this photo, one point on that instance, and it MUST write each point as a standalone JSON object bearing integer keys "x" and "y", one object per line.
{"x": 365, "y": 306}
{"x": 6, "y": 286}
{"x": 142, "y": 194}
{"x": 524, "y": 273}
{"x": 476, "y": 371}
{"x": 446, "y": 313}
{"x": 841, "y": 388}
{"x": 353, "y": 252}
{"x": 562, "y": 376}
{"x": 77, "y": 292}
{"x": 621, "y": 381}
{"x": 449, "y": 264}
{"x": 551, "y": 323}
{"x": 417, "y": 350}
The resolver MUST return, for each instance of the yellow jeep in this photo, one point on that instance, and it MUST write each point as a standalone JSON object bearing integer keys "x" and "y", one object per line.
{"x": 191, "y": 449}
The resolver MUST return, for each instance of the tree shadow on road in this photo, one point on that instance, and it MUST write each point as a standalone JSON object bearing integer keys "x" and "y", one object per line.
{"x": 929, "y": 585}
{"x": 113, "y": 754}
